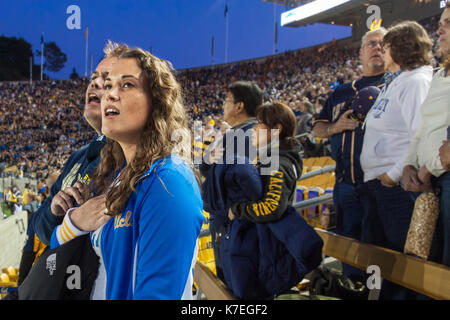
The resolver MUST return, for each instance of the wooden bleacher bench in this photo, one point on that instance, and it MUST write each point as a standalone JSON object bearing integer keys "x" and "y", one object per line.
{"x": 428, "y": 278}
{"x": 425, "y": 277}
{"x": 210, "y": 285}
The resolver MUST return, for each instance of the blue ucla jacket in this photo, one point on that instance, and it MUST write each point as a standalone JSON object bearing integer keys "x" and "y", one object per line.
{"x": 149, "y": 250}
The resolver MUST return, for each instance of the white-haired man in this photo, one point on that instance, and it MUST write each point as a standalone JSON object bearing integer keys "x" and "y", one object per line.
{"x": 346, "y": 137}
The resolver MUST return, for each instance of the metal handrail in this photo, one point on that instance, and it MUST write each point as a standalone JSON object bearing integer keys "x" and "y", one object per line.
{"x": 313, "y": 202}
{"x": 301, "y": 135}
{"x": 318, "y": 172}
{"x": 299, "y": 206}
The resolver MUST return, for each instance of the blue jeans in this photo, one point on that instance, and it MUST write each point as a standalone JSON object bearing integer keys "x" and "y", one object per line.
{"x": 387, "y": 216}
{"x": 440, "y": 251}
{"x": 349, "y": 219}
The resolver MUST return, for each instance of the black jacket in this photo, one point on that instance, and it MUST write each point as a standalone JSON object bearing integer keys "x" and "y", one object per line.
{"x": 54, "y": 275}
{"x": 278, "y": 188}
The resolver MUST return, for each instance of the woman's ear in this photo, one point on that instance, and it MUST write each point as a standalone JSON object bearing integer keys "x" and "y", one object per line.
{"x": 279, "y": 127}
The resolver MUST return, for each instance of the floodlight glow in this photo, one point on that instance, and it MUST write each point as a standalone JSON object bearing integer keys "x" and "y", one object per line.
{"x": 309, "y": 10}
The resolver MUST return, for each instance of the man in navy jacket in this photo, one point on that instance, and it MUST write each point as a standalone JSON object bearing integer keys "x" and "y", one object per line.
{"x": 240, "y": 105}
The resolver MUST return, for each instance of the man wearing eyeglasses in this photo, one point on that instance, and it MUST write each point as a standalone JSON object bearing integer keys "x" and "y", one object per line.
{"x": 239, "y": 110}
{"x": 340, "y": 126}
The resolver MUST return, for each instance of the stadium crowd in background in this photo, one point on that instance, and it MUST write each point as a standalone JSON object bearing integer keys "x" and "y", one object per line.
{"x": 41, "y": 128}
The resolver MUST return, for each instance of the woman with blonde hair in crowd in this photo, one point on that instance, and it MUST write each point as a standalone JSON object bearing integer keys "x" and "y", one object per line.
{"x": 147, "y": 215}
{"x": 390, "y": 126}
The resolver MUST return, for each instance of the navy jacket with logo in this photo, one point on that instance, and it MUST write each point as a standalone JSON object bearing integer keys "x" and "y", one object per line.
{"x": 346, "y": 147}
{"x": 80, "y": 163}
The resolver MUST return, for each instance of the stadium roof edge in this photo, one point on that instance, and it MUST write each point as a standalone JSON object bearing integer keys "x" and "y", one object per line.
{"x": 344, "y": 13}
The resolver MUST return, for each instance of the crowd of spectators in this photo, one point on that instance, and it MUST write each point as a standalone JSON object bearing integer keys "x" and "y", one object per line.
{"x": 40, "y": 126}
{"x": 293, "y": 77}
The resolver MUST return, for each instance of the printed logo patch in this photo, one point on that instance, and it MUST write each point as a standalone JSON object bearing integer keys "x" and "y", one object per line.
{"x": 380, "y": 108}
{"x": 51, "y": 263}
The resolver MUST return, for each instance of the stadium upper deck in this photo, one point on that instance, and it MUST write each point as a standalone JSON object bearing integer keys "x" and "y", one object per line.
{"x": 359, "y": 14}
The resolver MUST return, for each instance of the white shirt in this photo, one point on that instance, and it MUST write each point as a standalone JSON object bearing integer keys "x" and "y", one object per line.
{"x": 435, "y": 111}
{"x": 392, "y": 122}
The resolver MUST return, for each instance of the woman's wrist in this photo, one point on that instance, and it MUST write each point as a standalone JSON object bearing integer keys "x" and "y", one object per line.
{"x": 73, "y": 219}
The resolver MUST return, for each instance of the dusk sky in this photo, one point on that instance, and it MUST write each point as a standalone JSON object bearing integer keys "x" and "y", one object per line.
{"x": 177, "y": 30}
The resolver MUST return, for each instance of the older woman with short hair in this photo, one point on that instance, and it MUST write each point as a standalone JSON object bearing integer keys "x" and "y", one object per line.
{"x": 390, "y": 126}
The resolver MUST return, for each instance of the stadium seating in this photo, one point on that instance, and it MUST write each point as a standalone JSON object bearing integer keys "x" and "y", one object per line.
{"x": 313, "y": 187}
{"x": 205, "y": 249}
{"x": 8, "y": 280}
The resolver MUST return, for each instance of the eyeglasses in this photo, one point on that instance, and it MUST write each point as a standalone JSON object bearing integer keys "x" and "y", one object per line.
{"x": 372, "y": 44}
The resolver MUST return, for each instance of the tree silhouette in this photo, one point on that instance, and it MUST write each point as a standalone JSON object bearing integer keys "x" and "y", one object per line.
{"x": 55, "y": 59}
{"x": 14, "y": 58}
{"x": 74, "y": 75}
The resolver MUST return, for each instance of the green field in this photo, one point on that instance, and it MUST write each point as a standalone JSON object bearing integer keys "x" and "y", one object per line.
{"x": 5, "y": 209}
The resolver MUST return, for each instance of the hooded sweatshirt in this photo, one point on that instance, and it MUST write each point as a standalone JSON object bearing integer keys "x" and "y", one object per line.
{"x": 392, "y": 122}
{"x": 278, "y": 186}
